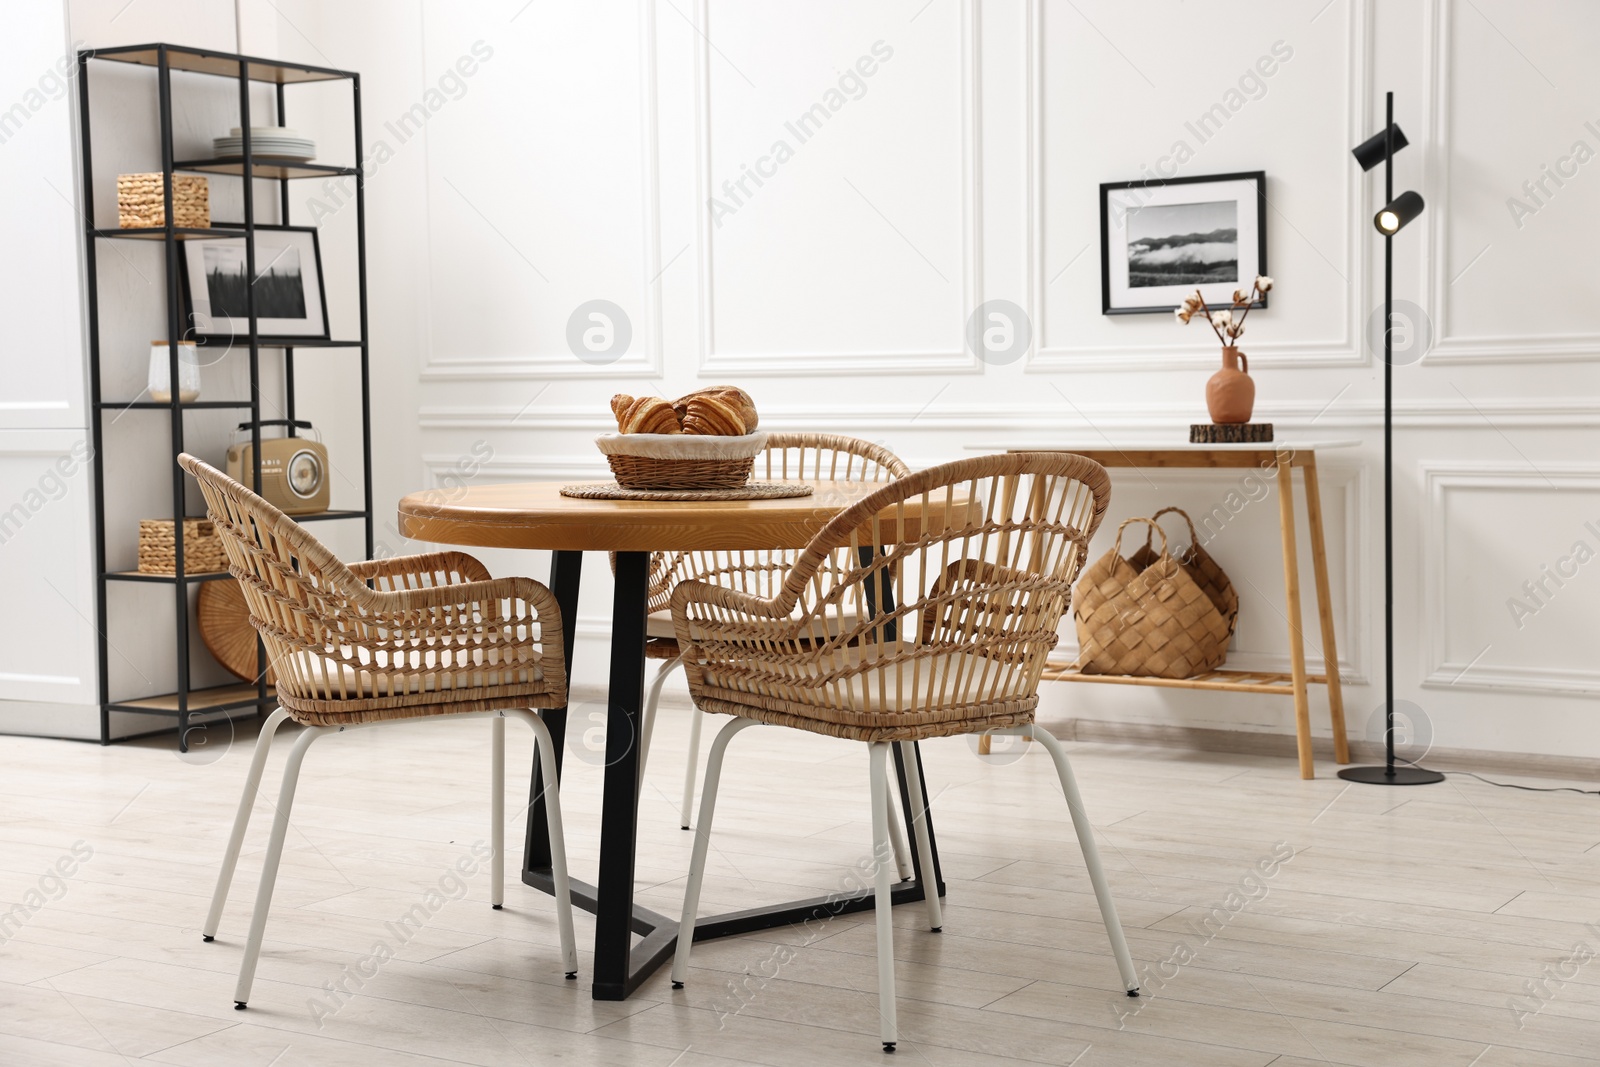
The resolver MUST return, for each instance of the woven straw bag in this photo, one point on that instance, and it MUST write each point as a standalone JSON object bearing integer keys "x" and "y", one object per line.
{"x": 1206, "y": 572}
{"x": 1153, "y": 620}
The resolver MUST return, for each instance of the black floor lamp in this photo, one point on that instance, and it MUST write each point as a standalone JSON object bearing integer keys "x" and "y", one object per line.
{"x": 1397, "y": 211}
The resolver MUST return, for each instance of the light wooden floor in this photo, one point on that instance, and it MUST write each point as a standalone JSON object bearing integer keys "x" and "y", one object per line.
{"x": 1398, "y": 933}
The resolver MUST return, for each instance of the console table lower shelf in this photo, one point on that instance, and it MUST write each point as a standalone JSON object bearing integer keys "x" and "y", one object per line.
{"x": 1281, "y": 684}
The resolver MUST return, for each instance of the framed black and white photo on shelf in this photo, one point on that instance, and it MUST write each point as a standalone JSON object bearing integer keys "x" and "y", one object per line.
{"x": 289, "y": 296}
{"x": 1161, "y": 240}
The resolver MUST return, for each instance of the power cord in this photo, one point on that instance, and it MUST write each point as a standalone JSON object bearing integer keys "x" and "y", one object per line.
{"x": 1529, "y": 788}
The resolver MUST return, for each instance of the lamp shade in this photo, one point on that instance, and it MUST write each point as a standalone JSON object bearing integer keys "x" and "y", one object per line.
{"x": 1392, "y": 218}
{"x": 1369, "y": 153}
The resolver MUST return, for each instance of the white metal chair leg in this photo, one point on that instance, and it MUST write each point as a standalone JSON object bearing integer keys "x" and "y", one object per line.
{"x": 497, "y": 811}
{"x": 269, "y": 868}
{"x": 897, "y": 838}
{"x": 241, "y": 821}
{"x": 919, "y": 826}
{"x": 702, "y": 842}
{"x": 1091, "y": 857}
{"x": 882, "y": 904}
{"x": 647, "y": 726}
{"x": 558, "y": 839}
{"x": 696, "y": 719}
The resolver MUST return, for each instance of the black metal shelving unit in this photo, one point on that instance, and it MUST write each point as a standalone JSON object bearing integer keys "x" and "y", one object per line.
{"x": 166, "y": 58}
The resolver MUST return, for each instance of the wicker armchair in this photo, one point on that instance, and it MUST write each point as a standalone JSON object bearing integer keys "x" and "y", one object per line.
{"x": 891, "y": 628}
{"x": 352, "y": 646}
{"x": 828, "y": 457}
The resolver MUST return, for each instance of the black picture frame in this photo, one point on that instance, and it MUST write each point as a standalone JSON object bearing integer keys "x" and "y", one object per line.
{"x": 1117, "y": 296}
{"x": 201, "y": 323}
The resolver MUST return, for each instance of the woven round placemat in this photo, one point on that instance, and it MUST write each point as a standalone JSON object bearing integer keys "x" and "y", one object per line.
{"x": 750, "y": 491}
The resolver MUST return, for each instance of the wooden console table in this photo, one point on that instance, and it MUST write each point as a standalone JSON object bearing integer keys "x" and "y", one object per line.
{"x": 1283, "y": 457}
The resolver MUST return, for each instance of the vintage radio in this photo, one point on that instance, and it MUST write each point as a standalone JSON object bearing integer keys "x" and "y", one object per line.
{"x": 294, "y": 470}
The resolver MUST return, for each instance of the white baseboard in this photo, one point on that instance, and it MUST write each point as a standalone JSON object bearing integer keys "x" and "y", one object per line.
{"x": 1256, "y": 743}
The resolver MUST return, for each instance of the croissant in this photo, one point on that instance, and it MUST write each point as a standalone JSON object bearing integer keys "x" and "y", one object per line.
{"x": 713, "y": 415}
{"x": 645, "y": 414}
{"x": 730, "y": 393}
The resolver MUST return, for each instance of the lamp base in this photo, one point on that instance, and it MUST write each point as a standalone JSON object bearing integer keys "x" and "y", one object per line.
{"x": 1398, "y": 776}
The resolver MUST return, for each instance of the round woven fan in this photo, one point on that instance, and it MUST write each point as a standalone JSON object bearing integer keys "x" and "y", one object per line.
{"x": 224, "y": 621}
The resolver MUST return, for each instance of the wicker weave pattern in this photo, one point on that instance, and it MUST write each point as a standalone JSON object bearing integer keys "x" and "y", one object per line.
{"x": 430, "y": 635}
{"x": 1154, "y": 620}
{"x": 142, "y": 200}
{"x": 1207, "y": 572}
{"x": 202, "y": 550}
{"x": 788, "y": 457}
{"x": 648, "y": 472}
{"x": 942, "y": 629}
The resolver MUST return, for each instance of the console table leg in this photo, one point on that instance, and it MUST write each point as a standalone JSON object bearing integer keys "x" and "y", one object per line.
{"x": 1297, "y": 648}
{"x": 1330, "y": 649}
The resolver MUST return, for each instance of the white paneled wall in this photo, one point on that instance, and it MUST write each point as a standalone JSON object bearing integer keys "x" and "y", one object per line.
{"x": 835, "y": 281}
{"x": 47, "y": 662}
{"x": 810, "y": 200}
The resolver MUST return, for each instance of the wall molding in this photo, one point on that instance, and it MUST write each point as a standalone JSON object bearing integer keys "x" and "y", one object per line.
{"x": 957, "y": 360}
{"x": 1439, "y": 670}
{"x": 642, "y": 360}
{"x": 1459, "y": 349}
{"x": 1306, "y": 419}
{"x": 1348, "y": 351}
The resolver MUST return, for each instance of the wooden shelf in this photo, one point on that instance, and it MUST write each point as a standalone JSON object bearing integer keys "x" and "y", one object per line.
{"x": 221, "y": 64}
{"x": 270, "y": 341}
{"x": 159, "y": 233}
{"x": 217, "y": 698}
{"x": 166, "y": 405}
{"x": 142, "y": 576}
{"x": 262, "y": 167}
{"x": 1220, "y": 680}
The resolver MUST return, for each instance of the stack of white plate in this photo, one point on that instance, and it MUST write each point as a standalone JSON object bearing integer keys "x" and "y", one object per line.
{"x": 274, "y": 142}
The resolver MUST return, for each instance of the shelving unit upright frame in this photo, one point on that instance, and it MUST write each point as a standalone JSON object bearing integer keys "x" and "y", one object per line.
{"x": 187, "y": 702}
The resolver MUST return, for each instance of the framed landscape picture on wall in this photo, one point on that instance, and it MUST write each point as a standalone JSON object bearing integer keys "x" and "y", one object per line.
{"x": 288, "y": 285}
{"x": 1162, "y": 240}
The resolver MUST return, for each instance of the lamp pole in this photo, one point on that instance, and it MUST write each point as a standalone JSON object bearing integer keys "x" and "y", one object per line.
{"x": 1388, "y": 442}
{"x": 1389, "y": 774}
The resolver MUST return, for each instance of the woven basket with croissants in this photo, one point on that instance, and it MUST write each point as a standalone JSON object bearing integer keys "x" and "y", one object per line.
{"x": 706, "y": 439}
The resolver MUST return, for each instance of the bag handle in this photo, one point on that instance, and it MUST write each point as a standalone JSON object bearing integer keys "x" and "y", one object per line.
{"x": 1194, "y": 538}
{"x": 1151, "y": 523}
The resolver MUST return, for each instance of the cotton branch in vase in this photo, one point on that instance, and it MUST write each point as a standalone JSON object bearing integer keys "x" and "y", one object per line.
{"x": 1228, "y": 323}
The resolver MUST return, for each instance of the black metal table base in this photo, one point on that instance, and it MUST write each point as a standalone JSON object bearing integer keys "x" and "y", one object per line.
{"x": 620, "y": 966}
{"x": 661, "y": 933}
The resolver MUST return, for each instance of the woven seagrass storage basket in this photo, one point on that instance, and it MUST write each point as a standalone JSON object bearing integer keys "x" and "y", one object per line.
{"x": 141, "y": 201}
{"x": 1206, "y": 572}
{"x": 202, "y": 548}
{"x": 1152, "y": 620}
{"x": 680, "y": 461}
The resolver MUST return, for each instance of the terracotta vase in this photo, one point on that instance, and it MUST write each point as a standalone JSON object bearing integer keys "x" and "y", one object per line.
{"x": 1231, "y": 392}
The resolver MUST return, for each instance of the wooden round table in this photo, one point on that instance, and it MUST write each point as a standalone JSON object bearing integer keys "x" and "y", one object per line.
{"x": 536, "y": 516}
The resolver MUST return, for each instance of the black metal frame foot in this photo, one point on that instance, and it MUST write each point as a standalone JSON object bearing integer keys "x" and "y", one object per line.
{"x": 888, "y": 1046}
{"x": 238, "y": 1005}
{"x": 207, "y": 938}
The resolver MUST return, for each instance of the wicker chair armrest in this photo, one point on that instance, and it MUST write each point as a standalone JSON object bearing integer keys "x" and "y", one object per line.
{"x": 695, "y": 591}
{"x": 427, "y": 564}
